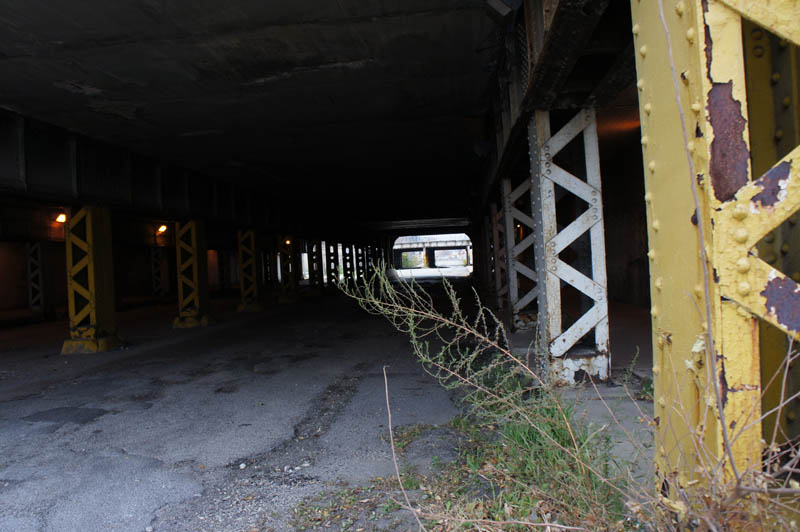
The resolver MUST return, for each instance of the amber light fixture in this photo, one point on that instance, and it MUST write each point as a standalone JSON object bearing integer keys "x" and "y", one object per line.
{"x": 61, "y": 218}
{"x": 161, "y": 229}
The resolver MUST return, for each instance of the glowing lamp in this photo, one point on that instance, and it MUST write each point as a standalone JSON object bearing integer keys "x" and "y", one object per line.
{"x": 161, "y": 229}
{"x": 61, "y": 218}
{"x": 288, "y": 242}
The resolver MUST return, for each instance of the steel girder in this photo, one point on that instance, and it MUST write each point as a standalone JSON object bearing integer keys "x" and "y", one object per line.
{"x": 707, "y": 212}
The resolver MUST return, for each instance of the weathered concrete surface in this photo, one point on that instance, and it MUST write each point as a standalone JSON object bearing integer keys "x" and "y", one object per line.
{"x": 218, "y": 429}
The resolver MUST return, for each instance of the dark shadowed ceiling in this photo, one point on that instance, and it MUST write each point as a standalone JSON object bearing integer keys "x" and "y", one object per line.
{"x": 350, "y": 104}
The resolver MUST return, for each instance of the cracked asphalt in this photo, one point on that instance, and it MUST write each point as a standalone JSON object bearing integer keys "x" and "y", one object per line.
{"x": 221, "y": 429}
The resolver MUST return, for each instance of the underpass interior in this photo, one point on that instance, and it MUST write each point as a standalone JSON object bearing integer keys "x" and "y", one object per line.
{"x": 184, "y": 185}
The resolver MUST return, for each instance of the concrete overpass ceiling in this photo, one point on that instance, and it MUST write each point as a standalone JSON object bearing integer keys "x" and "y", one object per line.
{"x": 340, "y": 94}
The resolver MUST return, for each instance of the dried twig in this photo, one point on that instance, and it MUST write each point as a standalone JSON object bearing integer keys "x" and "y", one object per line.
{"x": 394, "y": 454}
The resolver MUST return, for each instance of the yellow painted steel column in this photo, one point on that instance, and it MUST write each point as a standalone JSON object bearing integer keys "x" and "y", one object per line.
{"x": 192, "y": 260}
{"x": 696, "y": 156}
{"x": 771, "y": 65}
{"x": 90, "y": 282}
{"x": 249, "y": 272}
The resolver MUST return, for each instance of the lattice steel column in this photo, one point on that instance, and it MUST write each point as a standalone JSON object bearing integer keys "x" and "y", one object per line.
{"x": 706, "y": 217}
{"x": 519, "y": 241}
{"x": 489, "y": 273}
{"x": 192, "y": 260}
{"x": 249, "y": 271}
{"x": 550, "y": 242}
{"x": 315, "y": 265}
{"x": 348, "y": 265}
{"x": 35, "y": 277}
{"x": 358, "y": 261}
{"x": 369, "y": 258}
{"x": 332, "y": 262}
{"x": 771, "y": 73}
{"x": 90, "y": 282}
{"x": 499, "y": 249}
{"x": 288, "y": 267}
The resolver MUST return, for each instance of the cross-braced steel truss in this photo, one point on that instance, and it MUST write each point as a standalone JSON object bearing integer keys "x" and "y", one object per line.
{"x": 499, "y": 255}
{"x": 552, "y": 270}
{"x": 248, "y": 270}
{"x": 332, "y": 262}
{"x": 519, "y": 230}
{"x": 35, "y": 278}
{"x": 192, "y": 274}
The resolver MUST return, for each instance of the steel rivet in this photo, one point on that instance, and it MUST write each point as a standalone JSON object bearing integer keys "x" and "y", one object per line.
{"x": 785, "y": 248}
{"x": 659, "y": 283}
{"x": 679, "y": 8}
{"x": 685, "y": 76}
{"x": 740, "y": 235}
{"x": 769, "y": 238}
{"x": 635, "y": 29}
{"x": 656, "y": 369}
{"x": 744, "y": 288}
{"x": 652, "y": 166}
{"x": 698, "y": 290}
{"x": 645, "y": 140}
{"x": 740, "y": 212}
{"x": 776, "y": 77}
{"x": 648, "y": 197}
{"x": 696, "y": 107}
{"x": 770, "y": 258}
{"x": 690, "y": 35}
{"x": 643, "y": 50}
{"x": 640, "y": 84}
{"x": 690, "y": 146}
{"x": 743, "y": 265}
{"x": 648, "y": 108}
{"x": 654, "y": 311}
{"x": 787, "y": 101}
{"x": 656, "y": 225}
{"x": 778, "y": 134}
{"x": 651, "y": 254}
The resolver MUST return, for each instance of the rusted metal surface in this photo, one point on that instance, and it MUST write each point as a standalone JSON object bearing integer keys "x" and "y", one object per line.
{"x": 730, "y": 157}
{"x": 772, "y": 183}
{"x": 571, "y": 28}
{"x": 782, "y": 297}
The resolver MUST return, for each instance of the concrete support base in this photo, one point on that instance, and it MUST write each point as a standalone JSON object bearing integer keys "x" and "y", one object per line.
{"x": 89, "y": 345}
{"x": 190, "y": 322}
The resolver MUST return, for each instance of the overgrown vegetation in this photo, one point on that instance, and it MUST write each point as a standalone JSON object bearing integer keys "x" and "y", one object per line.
{"x": 530, "y": 462}
{"x": 541, "y": 463}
